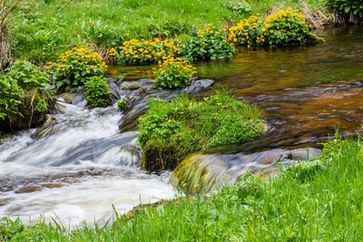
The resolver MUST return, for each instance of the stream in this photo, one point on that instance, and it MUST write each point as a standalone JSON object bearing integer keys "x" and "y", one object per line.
{"x": 84, "y": 168}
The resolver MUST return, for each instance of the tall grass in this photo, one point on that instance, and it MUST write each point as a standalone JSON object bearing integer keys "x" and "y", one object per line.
{"x": 321, "y": 200}
{"x": 44, "y": 29}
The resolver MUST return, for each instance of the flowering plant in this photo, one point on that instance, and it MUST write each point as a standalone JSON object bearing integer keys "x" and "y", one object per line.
{"x": 285, "y": 28}
{"x": 247, "y": 32}
{"x": 76, "y": 66}
{"x": 174, "y": 73}
{"x": 144, "y": 51}
{"x": 208, "y": 44}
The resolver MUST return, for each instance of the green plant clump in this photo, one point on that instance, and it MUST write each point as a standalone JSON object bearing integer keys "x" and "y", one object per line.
{"x": 347, "y": 11}
{"x": 76, "y": 66}
{"x": 23, "y": 102}
{"x": 122, "y": 104}
{"x": 282, "y": 28}
{"x": 170, "y": 131}
{"x": 208, "y": 44}
{"x": 174, "y": 73}
{"x": 97, "y": 92}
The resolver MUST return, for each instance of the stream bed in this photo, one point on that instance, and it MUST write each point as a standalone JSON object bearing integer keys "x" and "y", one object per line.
{"x": 86, "y": 167}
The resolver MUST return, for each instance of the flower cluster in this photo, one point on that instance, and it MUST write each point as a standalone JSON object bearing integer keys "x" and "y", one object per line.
{"x": 209, "y": 44}
{"x": 147, "y": 51}
{"x": 247, "y": 32}
{"x": 112, "y": 55}
{"x": 285, "y": 28}
{"x": 76, "y": 66}
{"x": 282, "y": 28}
{"x": 174, "y": 73}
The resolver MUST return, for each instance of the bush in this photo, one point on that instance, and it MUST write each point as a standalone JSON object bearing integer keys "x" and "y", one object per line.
{"x": 280, "y": 29}
{"x": 10, "y": 97}
{"x": 146, "y": 51}
{"x": 286, "y": 28}
{"x": 174, "y": 73}
{"x": 77, "y": 66}
{"x": 170, "y": 131}
{"x": 208, "y": 44}
{"x": 24, "y": 103}
{"x": 247, "y": 32}
{"x": 347, "y": 11}
{"x": 97, "y": 92}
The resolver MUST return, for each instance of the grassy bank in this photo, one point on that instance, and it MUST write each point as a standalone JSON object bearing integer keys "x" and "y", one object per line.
{"x": 41, "y": 30}
{"x": 321, "y": 200}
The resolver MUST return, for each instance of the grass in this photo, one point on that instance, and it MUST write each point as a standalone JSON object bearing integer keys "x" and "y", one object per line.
{"x": 41, "y": 30}
{"x": 321, "y": 200}
{"x": 170, "y": 131}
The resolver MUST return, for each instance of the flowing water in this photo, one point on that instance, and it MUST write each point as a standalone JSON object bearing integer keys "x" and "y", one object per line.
{"x": 84, "y": 165}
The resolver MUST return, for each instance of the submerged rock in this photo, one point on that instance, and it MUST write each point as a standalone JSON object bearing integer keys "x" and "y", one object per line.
{"x": 206, "y": 172}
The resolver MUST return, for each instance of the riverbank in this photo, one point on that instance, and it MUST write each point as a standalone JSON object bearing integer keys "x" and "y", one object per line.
{"x": 320, "y": 199}
{"x": 43, "y": 30}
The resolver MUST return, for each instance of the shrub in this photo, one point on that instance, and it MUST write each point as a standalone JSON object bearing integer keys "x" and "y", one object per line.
{"x": 170, "y": 131}
{"x": 174, "y": 73}
{"x": 208, "y": 44}
{"x": 146, "y": 51}
{"x": 286, "y": 28}
{"x": 25, "y": 100}
{"x": 247, "y": 32}
{"x": 76, "y": 66}
{"x": 281, "y": 29}
{"x": 97, "y": 92}
{"x": 347, "y": 11}
{"x": 10, "y": 97}
{"x": 28, "y": 75}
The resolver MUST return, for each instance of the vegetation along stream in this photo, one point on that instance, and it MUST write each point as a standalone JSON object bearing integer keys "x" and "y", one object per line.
{"x": 83, "y": 167}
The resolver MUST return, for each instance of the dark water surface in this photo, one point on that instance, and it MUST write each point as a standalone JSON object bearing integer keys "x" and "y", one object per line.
{"x": 306, "y": 94}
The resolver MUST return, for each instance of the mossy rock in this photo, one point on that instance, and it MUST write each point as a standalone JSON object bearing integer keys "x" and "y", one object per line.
{"x": 170, "y": 131}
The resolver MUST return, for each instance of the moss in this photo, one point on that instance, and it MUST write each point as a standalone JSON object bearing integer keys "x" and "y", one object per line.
{"x": 170, "y": 131}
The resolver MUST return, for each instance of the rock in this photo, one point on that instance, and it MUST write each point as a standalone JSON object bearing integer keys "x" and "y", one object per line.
{"x": 131, "y": 85}
{"x": 48, "y": 128}
{"x": 68, "y": 97}
{"x": 198, "y": 85}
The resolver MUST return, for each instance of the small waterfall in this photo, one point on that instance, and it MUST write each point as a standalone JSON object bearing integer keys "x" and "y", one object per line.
{"x": 75, "y": 168}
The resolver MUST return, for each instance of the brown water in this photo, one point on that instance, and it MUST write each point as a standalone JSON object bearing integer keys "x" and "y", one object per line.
{"x": 306, "y": 94}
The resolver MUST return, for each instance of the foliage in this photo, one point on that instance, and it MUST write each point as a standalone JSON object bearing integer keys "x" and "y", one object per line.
{"x": 174, "y": 73}
{"x": 208, "y": 44}
{"x": 76, "y": 66}
{"x": 171, "y": 130}
{"x": 10, "y": 97}
{"x": 97, "y": 92}
{"x": 282, "y": 28}
{"x": 286, "y": 28}
{"x": 28, "y": 75}
{"x": 25, "y": 101}
{"x": 122, "y": 104}
{"x": 316, "y": 200}
{"x": 247, "y": 32}
{"x": 348, "y": 9}
{"x": 146, "y": 51}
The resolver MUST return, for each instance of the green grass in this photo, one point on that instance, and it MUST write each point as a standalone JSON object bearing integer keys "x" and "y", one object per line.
{"x": 41, "y": 30}
{"x": 321, "y": 200}
{"x": 170, "y": 131}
